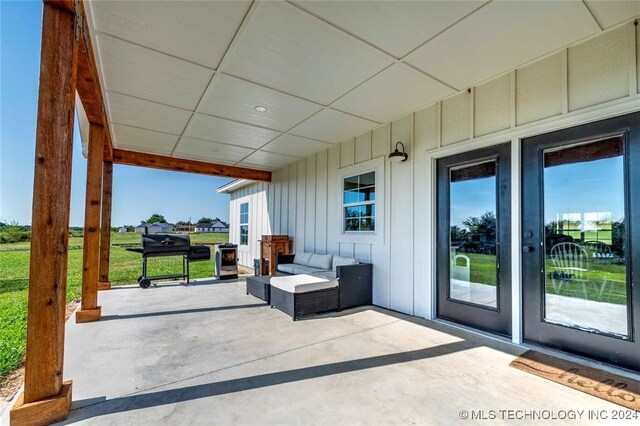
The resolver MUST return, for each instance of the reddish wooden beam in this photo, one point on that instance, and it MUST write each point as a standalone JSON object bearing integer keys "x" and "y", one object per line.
{"x": 105, "y": 226}
{"x": 63, "y": 5}
{"x": 90, "y": 311}
{"x": 132, "y": 158}
{"x": 46, "y": 398}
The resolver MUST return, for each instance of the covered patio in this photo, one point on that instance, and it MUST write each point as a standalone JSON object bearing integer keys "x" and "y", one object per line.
{"x": 293, "y": 99}
{"x": 209, "y": 353}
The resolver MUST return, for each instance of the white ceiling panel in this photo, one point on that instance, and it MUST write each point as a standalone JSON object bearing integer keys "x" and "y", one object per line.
{"x": 148, "y": 115}
{"x": 236, "y": 99}
{"x": 395, "y": 91}
{"x": 296, "y": 146}
{"x": 501, "y": 36}
{"x": 289, "y": 50}
{"x": 134, "y": 139}
{"x": 612, "y": 12}
{"x": 267, "y": 160}
{"x": 332, "y": 126}
{"x": 196, "y": 31}
{"x": 147, "y": 74}
{"x": 196, "y": 149}
{"x": 397, "y": 27}
{"x": 229, "y": 132}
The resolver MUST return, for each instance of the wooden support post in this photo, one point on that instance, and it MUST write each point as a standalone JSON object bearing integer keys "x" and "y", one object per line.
{"x": 46, "y": 398}
{"x": 105, "y": 226}
{"x": 90, "y": 311}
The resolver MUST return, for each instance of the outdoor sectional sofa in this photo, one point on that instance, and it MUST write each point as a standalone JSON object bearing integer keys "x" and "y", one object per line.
{"x": 354, "y": 283}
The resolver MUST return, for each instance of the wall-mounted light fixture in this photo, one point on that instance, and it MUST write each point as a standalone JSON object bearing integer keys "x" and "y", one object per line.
{"x": 398, "y": 155}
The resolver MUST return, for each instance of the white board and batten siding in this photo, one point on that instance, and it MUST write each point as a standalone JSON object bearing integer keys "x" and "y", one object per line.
{"x": 587, "y": 82}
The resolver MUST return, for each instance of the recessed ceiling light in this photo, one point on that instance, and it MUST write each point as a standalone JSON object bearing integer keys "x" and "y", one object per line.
{"x": 260, "y": 108}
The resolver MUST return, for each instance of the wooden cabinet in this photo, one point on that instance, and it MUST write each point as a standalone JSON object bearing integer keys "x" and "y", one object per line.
{"x": 270, "y": 247}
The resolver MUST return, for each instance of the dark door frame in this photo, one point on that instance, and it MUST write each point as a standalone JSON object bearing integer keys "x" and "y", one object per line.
{"x": 495, "y": 320}
{"x": 602, "y": 346}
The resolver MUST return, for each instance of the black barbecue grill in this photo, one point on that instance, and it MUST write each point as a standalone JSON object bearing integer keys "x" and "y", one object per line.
{"x": 156, "y": 245}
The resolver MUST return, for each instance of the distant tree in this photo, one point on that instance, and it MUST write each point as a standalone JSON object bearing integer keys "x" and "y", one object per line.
{"x": 182, "y": 222}
{"x": 156, "y": 218}
{"x": 205, "y": 220}
{"x": 14, "y": 232}
{"x": 484, "y": 225}
{"x": 457, "y": 235}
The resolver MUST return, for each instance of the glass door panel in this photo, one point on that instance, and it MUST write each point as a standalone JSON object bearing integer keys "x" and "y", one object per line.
{"x": 584, "y": 226}
{"x": 473, "y": 276}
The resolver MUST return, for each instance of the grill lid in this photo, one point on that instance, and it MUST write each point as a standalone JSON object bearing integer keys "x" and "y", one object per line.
{"x": 165, "y": 244}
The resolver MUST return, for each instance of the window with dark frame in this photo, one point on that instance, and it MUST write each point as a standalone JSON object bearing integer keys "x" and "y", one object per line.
{"x": 359, "y": 203}
{"x": 244, "y": 224}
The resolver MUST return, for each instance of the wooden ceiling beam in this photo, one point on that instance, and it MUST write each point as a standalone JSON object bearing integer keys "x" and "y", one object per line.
{"x": 132, "y": 158}
{"x": 88, "y": 84}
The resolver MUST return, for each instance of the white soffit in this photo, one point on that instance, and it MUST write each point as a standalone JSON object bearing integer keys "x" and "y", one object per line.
{"x": 132, "y": 138}
{"x": 287, "y": 49}
{"x": 196, "y": 149}
{"x": 395, "y": 91}
{"x": 501, "y": 36}
{"x": 396, "y": 27}
{"x": 236, "y": 99}
{"x": 268, "y": 160}
{"x": 198, "y": 31}
{"x": 610, "y": 13}
{"x": 146, "y": 74}
{"x": 332, "y": 126}
{"x": 136, "y": 112}
{"x": 295, "y": 146}
{"x": 228, "y": 132}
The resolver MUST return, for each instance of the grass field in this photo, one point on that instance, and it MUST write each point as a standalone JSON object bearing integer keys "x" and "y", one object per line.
{"x": 603, "y": 282}
{"x": 125, "y": 267}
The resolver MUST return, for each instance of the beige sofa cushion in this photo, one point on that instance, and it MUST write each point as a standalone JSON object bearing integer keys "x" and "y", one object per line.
{"x": 321, "y": 261}
{"x": 330, "y": 275}
{"x": 287, "y": 267}
{"x": 302, "y": 283}
{"x": 302, "y": 258}
{"x": 339, "y": 261}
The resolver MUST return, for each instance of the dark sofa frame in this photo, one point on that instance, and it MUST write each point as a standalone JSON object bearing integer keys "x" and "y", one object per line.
{"x": 356, "y": 282}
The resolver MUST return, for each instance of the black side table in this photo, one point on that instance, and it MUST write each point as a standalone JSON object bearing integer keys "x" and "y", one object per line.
{"x": 260, "y": 287}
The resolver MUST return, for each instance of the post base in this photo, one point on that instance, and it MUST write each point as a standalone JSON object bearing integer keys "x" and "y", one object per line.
{"x": 43, "y": 412}
{"x": 104, "y": 285}
{"x": 88, "y": 315}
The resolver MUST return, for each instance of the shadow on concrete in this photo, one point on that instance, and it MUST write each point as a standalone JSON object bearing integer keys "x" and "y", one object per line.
{"x": 183, "y": 311}
{"x": 192, "y": 283}
{"x": 94, "y": 407}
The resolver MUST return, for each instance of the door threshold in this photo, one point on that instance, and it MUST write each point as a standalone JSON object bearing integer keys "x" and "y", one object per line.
{"x": 567, "y": 356}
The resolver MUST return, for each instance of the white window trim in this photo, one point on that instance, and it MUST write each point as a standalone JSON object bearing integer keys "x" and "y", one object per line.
{"x": 248, "y": 223}
{"x": 376, "y": 165}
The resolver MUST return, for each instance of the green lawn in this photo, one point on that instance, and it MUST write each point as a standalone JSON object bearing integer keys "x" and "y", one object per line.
{"x": 603, "y": 282}
{"x": 125, "y": 267}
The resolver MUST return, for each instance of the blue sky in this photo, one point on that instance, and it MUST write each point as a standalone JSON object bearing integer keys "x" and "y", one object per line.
{"x": 137, "y": 192}
{"x": 472, "y": 198}
{"x": 588, "y": 187}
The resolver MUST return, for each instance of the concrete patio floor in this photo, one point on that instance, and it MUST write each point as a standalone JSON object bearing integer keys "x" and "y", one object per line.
{"x": 208, "y": 353}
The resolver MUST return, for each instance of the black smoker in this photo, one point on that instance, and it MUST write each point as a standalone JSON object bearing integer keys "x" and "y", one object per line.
{"x": 226, "y": 261}
{"x": 156, "y": 245}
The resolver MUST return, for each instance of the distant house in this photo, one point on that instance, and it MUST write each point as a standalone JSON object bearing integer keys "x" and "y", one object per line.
{"x": 184, "y": 228}
{"x": 217, "y": 226}
{"x": 153, "y": 228}
{"x": 123, "y": 230}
